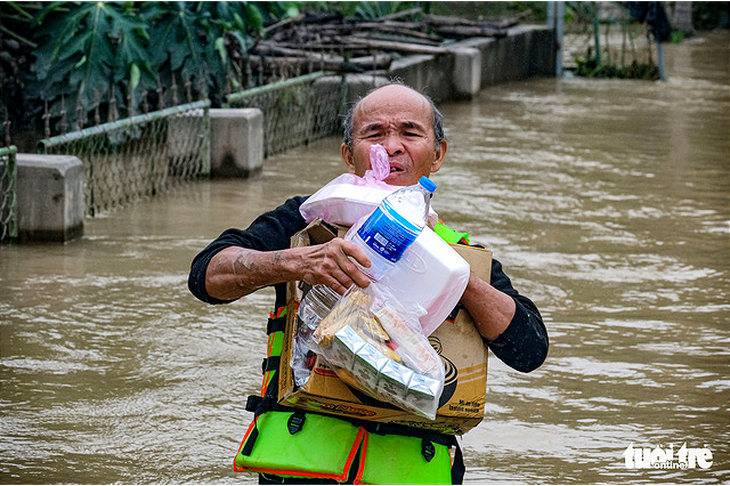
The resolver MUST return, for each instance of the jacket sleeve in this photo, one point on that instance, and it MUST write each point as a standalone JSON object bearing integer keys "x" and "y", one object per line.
{"x": 524, "y": 344}
{"x": 269, "y": 232}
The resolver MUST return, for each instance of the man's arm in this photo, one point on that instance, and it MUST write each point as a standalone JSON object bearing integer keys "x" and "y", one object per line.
{"x": 235, "y": 271}
{"x": 491, "y": 309}
{"x": 509, "y": 322}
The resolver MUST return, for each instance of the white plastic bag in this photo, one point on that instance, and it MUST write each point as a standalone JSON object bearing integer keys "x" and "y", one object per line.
{"x": 348, "y": 197}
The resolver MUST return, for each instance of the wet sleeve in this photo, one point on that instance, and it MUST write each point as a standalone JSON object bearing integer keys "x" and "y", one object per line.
{"x": 269, "y": 232}
{"x": 524, "y": 344}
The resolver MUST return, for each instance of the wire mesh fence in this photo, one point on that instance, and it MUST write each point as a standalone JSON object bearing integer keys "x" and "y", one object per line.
{"x": 140, "y": 156}
{"x": 8, "y": 194}
{"x": 297, "y": 110}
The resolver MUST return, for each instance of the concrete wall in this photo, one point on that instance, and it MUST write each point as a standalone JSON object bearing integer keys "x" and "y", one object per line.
{"x": 468, "y": 67}
{"x": 527, "y": 51}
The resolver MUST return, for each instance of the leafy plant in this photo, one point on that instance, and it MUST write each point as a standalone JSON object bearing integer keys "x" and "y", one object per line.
{"x": 87, "y": 49}
{"x": 87, "y": 53}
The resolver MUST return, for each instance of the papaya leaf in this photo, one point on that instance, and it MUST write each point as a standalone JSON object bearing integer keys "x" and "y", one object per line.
{"x": 175, "y": 37}
{"x": 87, "y": 42}
{"x": 220, "y": 46}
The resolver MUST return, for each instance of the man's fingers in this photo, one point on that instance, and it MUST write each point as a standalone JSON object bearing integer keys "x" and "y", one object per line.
{"x": 341, "y": 285}
{"x": 352, "y": 253}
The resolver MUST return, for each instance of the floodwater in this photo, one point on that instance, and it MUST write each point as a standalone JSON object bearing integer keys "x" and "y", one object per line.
{"x": 608, "y": 202}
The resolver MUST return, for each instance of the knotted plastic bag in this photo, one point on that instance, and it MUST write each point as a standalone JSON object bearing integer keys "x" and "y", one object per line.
{"x": 348, "y": 197}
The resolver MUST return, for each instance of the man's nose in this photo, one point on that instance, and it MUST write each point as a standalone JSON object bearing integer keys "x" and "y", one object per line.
{"x": 392, "y": 144}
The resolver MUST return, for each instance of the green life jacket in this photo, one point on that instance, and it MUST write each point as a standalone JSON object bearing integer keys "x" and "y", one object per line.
{"x": 287, "y": 442}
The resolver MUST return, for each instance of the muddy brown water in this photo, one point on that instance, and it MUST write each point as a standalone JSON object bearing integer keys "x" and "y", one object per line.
{"x": 608, "y": 202}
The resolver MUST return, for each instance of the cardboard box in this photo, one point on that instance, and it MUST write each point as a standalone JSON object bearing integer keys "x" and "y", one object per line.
{"x": 457, "y": 341}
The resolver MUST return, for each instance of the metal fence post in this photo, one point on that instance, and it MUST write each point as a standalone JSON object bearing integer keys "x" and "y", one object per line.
{"x": 555, "y": 19}
{"x": 8, "y": 191}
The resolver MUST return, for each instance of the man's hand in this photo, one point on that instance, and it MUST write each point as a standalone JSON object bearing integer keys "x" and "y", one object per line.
{"x": 235, "y": 271}
{"x": 330, "y": 264}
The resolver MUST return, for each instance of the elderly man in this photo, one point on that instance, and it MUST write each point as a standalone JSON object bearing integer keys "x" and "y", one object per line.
{"x": 410, "y": 128}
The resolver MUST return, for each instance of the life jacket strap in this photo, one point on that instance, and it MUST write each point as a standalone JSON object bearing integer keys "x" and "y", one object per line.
{"x": 276, "y": 324}
{"x": 296, "y": 422}
{"x": 270, "y": 364}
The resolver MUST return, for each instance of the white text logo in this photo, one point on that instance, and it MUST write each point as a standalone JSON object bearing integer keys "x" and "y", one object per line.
{"x": 658, "y": 458}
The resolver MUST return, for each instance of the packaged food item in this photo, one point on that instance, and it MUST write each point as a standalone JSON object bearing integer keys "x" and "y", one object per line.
{"x": 348, "y": 197}
{"x": 375, "y": 344}
{"x": 430, "y": 274}
{"x": 408, "y": 343}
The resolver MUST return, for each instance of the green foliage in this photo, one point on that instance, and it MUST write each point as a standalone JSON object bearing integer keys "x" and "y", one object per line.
{"x": 86, "y": 52}
{"x": 591, "y": 69}
{"x": 677, "y": 36}
{"x": 86, "y": 49}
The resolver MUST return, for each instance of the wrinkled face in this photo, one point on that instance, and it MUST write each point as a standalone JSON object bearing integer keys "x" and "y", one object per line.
{"x": 400, "y": 119}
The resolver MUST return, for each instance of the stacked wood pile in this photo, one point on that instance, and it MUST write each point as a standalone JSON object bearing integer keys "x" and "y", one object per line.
{"x": 326, "y": 41}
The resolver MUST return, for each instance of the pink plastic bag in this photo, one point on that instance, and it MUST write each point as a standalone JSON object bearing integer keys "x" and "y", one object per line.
{"x": 348, "y": 197}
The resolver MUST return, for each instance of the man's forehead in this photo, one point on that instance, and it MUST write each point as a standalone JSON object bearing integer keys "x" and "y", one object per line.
{"x": 393, "y": 103}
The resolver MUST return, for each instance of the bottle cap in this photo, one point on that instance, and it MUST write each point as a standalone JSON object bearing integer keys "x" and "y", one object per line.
{"x": 427, "y": 184}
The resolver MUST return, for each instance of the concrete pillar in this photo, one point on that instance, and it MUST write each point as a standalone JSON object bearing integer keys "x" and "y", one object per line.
{"x": 467, "y": 72}
{"x": 236, "y": 142}
{"x": 50, "y": 198}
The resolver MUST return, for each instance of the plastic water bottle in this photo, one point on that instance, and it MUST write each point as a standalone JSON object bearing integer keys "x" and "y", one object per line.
{"x": 384, "y": 236}
{"x": 394, "y": 225}
{"x": 315, "y": 306}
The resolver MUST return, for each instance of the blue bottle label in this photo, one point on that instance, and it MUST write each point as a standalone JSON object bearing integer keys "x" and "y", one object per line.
{"x": 387, "y": 237}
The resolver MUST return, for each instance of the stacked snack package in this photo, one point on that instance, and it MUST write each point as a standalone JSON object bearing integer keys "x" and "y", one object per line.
{"x": 377, "y": 346}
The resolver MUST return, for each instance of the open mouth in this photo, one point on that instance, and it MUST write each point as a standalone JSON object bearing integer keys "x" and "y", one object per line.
{"x": 395, "y": 169}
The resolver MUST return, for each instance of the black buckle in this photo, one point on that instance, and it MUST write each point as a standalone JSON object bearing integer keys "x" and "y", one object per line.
{"x": 295, "y": 422}
{"x": 427, "y": 449}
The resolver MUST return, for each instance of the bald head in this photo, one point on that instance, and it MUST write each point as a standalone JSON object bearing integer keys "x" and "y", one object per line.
{"x": 400, "y": 93}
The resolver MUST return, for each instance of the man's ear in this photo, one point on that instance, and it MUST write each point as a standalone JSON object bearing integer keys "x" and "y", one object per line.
{"x": 347, "y": 158}
{"x": 439, "y": 156}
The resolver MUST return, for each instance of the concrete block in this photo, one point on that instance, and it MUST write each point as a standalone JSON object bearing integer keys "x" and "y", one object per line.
{"x": 467, "y": 76}
{"x": 528, "y": 50}
{"x": 50, "y": 198}
{"x": 236, "y": 142}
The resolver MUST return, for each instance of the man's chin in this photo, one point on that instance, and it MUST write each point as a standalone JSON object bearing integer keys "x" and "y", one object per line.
{"x": 400, "y": 178}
